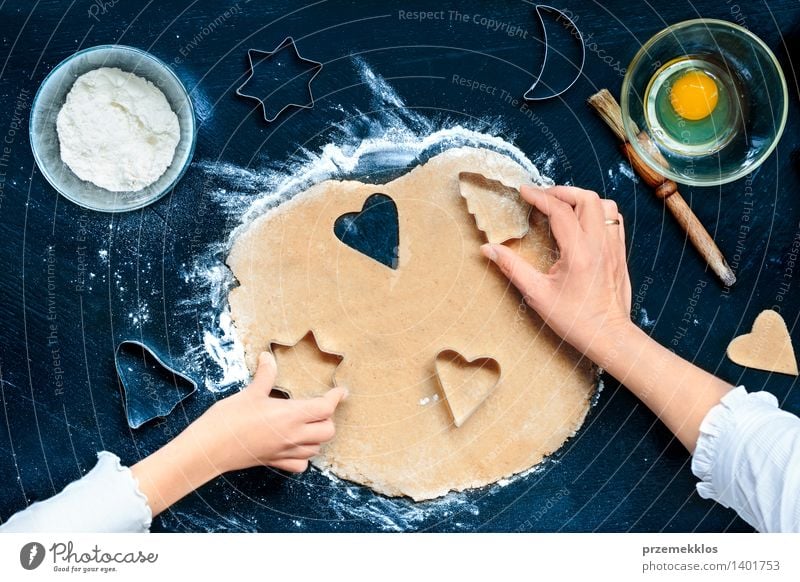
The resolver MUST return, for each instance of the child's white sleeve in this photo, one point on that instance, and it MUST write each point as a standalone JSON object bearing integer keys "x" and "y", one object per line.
{"x": 106, "y": 499}
{"x": 748, "y": 457}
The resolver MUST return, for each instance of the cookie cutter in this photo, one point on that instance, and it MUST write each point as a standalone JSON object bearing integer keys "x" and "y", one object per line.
{"x": 287, "y": 391}
{"x": 142, "y": 396}
{"x": 540, "y": 9}
{"x": 499, "y": 188}
{"x": 263, "y": 55}
{"x": 460, "y": 417}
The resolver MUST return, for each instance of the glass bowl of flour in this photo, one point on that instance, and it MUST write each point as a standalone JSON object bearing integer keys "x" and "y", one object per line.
{"x": 112, "y": 128}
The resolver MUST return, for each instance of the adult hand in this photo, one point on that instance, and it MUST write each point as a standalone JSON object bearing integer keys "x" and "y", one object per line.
{"x": 585, "y": 297}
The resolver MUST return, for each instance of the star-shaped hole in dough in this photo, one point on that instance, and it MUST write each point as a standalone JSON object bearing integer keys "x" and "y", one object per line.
{"x": 305, "y": 364}
{"x": 279, "y": 79}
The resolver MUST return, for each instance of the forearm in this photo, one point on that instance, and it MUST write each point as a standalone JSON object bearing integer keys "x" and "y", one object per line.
{"x": 178, "y": 468}
{"x": 244, "y": 430}
{"x": 678, "y": 392}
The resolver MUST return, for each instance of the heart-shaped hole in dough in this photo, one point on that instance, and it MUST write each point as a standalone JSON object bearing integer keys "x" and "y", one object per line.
{"x": 374, "y": 231}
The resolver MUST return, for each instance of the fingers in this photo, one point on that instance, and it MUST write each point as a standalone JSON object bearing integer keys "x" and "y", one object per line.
{"x": 520, "y": 272}
{"x": 587, "y": 204}
{"x": 303, "y": 452}
{"x": 570, "y": 194}
{"x": 316, "y": 433}
{"x": 322, "y": 407}
{"x": 291, "y": 465}
{"x": 627, "y": 290}
{"x": 563, "y": 220}
{"x": 621, "y": 234}
{"x": 591, "y": 210}
{"x": 610, "y": 210}
{"x": 266, "y": 372}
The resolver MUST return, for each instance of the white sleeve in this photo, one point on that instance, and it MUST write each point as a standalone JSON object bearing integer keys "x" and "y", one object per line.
{"x": 748, "y": 457}
{"x": 106, "y": 499}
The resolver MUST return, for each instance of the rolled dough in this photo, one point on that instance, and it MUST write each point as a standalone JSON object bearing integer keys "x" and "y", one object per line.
{"x": 767, "y": 347}
{"x": 394, "y": 433}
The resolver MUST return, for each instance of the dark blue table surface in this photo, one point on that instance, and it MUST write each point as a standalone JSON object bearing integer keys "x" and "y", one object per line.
{"x": 73, "y": 280}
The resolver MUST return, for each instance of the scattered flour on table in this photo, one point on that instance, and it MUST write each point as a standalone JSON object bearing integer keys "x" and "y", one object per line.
{"x": 623, "y": 170}
{"x": 117, "y": 130}
{"x": 354, "y": 503}
{"x": 644, "y": 319}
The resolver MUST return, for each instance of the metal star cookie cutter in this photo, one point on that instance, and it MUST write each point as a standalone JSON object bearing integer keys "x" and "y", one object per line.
{"x": 262, "y": 55}
{"x": 324, "y": 351}
{"x": 540, "y": 8}
{"x": 462, "y": 416}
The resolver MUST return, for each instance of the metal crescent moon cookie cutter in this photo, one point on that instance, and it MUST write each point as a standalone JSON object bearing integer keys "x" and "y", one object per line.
{"x": 540, "y": 8}
{"x": 263, "y": 55}
{"x": 310, "y": 333}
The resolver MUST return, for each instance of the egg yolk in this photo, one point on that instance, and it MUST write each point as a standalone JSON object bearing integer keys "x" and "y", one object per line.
{"x": 694, "y": 96}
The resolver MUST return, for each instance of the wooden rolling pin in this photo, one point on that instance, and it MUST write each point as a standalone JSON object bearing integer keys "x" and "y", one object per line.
{"x": 666, "y": 189}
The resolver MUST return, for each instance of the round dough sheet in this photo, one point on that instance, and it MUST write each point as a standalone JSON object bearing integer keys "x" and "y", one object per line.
{"x": 395, "y": 432}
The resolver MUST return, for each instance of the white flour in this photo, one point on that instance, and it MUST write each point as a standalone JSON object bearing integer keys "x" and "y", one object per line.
{"x": 117, "y": 130}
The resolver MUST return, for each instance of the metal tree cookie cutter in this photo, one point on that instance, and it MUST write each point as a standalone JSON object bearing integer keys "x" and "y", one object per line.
{"x": 264, "y": 55}
{"x": 540, "y": 8}
{"x": 461, "y": 401}
{"x": 280, "y": 383}
{"x": 151, "y": 388}
{"x": 472, "y": 183}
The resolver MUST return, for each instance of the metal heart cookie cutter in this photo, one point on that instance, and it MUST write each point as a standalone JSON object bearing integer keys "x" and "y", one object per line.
{"x": 463, "y": 400}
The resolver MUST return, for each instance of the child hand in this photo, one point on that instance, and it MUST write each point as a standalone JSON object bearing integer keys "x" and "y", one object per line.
{"x": 244, "y": 430}
{"x": 255, "y": 429}
{"x": 586, "y": 295}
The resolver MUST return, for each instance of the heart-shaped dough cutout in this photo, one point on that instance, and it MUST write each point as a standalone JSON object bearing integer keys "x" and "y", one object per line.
{"x": 768, "y": 347}
{"x": 499, "y": 210}
{"x": 465, "y": 384}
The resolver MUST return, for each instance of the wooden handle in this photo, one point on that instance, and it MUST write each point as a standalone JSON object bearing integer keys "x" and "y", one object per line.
{"x": 668, "y": 191}
{"x": 700, "y": 238}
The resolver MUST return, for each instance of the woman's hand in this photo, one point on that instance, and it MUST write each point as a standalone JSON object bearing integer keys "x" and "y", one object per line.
{"x": 244, "y": 430}
{"x": 586, "y": 299}
{"x": 586, "y": 295}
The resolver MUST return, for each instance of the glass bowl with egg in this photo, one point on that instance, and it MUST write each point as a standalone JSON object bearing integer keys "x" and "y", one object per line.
{"x": 115, "y": 155}
{"x": 704, "y": 102}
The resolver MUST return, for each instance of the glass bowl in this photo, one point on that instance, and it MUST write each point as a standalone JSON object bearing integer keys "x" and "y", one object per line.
{"x": 50, "y": 98}
{"x": 758, "y": 103}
